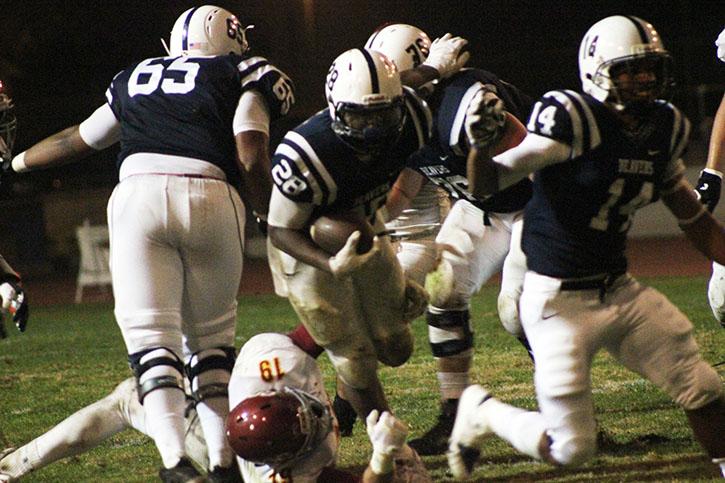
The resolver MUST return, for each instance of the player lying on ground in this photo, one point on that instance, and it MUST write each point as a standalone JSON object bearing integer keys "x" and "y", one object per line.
{"x": 268, "y": 365}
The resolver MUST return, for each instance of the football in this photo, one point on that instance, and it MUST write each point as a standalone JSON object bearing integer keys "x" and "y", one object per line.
{"x": 330, "y": 232}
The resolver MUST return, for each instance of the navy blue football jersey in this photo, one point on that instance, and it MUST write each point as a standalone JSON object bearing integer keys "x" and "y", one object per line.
{"x": 184, "y": 106}
{"x": 313, "y": 165}
{"x": 577, "y": 220}
{"x": 443, "y": 161}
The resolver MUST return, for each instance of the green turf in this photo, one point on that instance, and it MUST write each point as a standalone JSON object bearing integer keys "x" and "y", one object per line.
{"x": 73, "y": 355}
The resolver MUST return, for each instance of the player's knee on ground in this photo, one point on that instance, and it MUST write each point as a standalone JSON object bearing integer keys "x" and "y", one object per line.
{"x": 449, "y": 332}
{"x": 209, "y": 371}
{"x": 358, "y": 372}
{"x": 696, "y": 387}
{"x": 156, "y": 368}
{"x": 508, "y": 313}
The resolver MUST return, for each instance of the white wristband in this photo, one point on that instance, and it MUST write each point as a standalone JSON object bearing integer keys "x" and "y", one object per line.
{"x": 381, "y": 463}
{"x": 18, "y": 163}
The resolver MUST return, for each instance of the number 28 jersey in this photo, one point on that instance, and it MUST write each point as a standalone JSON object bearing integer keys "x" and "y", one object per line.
{"x": 577, "y": 220}
{"x": 185, "y": 106}
{"x": 313, "y": 165}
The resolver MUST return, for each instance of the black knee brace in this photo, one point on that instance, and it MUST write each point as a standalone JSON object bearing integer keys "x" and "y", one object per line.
{"x": 173, "y": 379}
{"x": 218, "y": 358}
{"x": 455, "y": 322}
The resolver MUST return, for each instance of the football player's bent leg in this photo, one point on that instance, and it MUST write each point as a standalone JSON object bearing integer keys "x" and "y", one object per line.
{"x": 661, "y": 348}
{"x": 79, "y": 432}
{"x": 380, "y": 286}
{"x": 159, "y": 372}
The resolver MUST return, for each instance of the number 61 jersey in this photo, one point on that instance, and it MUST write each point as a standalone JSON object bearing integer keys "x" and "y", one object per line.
{"x": 577, "y": 220}
{"x": 184, "y": 106}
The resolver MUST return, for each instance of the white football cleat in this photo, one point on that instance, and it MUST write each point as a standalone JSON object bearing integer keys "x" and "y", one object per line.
{"x": 469, "y": 430}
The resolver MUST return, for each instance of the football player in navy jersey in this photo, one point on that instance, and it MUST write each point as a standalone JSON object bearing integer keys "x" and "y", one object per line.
{"x": 479, "y": 236}
{"x": 708, "y": 189}
{"x": 344, "y": 159}
{"x": 194, "y": 130}
{"x": 598, "y": 156}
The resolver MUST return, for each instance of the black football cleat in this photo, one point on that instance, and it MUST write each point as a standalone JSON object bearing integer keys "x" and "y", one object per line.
{"x": 229, "y": 474}
{"x": 346, "y": 415}
{"x": 435, "y": 440}
{"x": 183, "y": 472}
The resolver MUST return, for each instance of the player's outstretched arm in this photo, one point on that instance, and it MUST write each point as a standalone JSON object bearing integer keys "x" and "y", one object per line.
{"x": 78, "y": 433}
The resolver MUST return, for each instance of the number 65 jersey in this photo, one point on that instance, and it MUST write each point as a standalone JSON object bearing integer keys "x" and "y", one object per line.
{"x": 185, "y": 106}
{"x": 577, "y": 220}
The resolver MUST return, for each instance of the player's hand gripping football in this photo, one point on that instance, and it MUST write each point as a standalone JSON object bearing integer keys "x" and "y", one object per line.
{"x": 348, "y": 260}
{"x": 15, "y": 302}
{"x": 445, "y": 55}
{"x": 708, "y": 188}
{"x": 485, "y": 118}
{"x": 387, "y": 435}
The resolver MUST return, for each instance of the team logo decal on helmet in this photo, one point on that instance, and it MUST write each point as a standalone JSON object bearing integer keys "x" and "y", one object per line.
{"x": 622, "y": 61}
{"x": 365, "y": 100}
{"x": 404, "y": 44}
{"x": 207, "y": 30}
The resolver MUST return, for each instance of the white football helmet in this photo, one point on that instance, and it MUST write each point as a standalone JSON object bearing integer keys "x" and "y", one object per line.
{"x": 624, "y": 44}
{"x": 207, "y": 30}
{"x": 404, "y": 44}
{"x": 365, "y": 99}
{"x": 8, "y": 124}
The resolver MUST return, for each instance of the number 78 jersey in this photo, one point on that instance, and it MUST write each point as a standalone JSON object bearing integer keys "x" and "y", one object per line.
{"x": 185, "y": 106}
{"x": 577, "y": 220}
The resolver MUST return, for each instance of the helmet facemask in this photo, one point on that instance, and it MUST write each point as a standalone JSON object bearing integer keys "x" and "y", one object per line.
{"x": 636, "y": 81}
{"x": 8, "y": 125}
{"x": 369, "y": 129}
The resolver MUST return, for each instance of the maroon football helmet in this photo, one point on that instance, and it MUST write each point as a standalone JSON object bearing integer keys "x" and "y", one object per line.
{"x": 278, "y": 428}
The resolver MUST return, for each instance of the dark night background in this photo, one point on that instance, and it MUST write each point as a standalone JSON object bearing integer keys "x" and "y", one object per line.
{"x": 58, "y": 57}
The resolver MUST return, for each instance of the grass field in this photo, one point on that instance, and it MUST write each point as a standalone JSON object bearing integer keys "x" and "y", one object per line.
{"x": 72, "y": 355}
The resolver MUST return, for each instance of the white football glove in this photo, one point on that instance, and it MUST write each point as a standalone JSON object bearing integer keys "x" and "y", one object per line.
{"x": 387, "y": 434}
{"x": 720, "y": 42}
{"x": 485, "y": 118}
{"x": 416, "y": 300}
{"x": 445, "y": 55}
{"x": 14, "y": 302}
{"x": 347, "y": 260}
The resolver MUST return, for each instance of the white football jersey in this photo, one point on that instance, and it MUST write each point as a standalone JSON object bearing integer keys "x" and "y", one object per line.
{"x": 272, "y": 361}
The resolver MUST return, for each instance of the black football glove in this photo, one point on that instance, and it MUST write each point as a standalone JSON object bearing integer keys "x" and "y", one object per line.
{"x": 708, "y": 188}
{"x": 18, "y": 303}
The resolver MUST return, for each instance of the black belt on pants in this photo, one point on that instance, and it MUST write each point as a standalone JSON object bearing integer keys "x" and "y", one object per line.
{"x": 601, "y": 283}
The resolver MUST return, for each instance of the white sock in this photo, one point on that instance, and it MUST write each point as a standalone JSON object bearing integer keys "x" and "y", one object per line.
{"x": 212, "y": 415}
{"x": 164, "y": 410}
{"x": 452, "y": 384}
{"x": 523, "y": 429}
